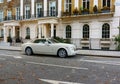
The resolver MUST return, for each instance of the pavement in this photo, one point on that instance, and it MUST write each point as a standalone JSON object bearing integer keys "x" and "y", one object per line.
{"x": 10, "y": 48}
{"x": 80, "y": 51}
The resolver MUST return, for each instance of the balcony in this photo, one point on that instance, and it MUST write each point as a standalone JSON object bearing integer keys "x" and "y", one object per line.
{"x": 29, "y": 16}
{"x": 86, "y": 12}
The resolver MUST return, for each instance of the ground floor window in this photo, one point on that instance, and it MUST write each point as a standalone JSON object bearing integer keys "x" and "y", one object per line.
{"x": 27, "y": 33}
{"x": 106, "y": 31}
{"x": 86, "y": 31}
{"x": 68, "y": 31}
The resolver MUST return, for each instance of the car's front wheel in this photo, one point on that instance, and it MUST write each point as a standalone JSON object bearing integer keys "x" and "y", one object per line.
{"x": 62, "y": 53}
{"x": 28, "y": 51}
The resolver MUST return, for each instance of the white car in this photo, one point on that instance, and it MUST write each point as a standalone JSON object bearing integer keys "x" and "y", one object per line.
{"x": 49, "y": 47}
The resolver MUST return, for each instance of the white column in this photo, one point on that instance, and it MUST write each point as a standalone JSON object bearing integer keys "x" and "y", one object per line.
{"x": 39, "y": 31}
{"x": 76, "y": 4}
{"x": 20, "y": 30}
{"x": 44, "y": 27}
{"x": 52, "y": 30}
{"x": 59, "y": 8}
{"x": 42, "y": 30}
{"x": 32, "y": 7}
{"x": 21, "y": 9}
{"x": 5, "y": 34}
{"x": 45, "y": 7}
{"x": 13, "y": 34}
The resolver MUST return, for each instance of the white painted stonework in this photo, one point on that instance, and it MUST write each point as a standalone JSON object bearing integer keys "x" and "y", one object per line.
{"x": 47, "y": 26}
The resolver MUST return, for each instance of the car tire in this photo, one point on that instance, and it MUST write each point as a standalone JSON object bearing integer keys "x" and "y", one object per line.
{"x": 62, "y": 53}
{"x": 28, "y": 51}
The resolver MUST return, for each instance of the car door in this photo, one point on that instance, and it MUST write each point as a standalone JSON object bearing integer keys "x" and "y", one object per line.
{"x": 38, "y": 46}
{"x": 49, "y": 48}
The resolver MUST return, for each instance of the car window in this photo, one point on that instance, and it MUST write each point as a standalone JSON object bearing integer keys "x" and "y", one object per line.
{"x": 40, "y": 41}
{"x": 36, "y": 41}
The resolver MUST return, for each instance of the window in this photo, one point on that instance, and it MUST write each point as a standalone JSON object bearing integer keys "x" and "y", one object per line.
{"x": 52, "y": 8}
{"x": 68, "y": 6}
{"x": 39, "y": 11}
{"x": 27, "y": 12}
{"x": 9, "y": 32}
{"x": 1, "y": 1}
{"x": 106, "y": 3}
{"x": 1, "y": 16}
{"x": 9, "y": 15}
{"x": 105, "y": 30}
{"x": 86, "y": 31}
{"x": 27, "y": 33}
{"x": 18, "y": 13}
{"x": 8, "y": 0}
{"x": 68, "y": 31}
{"x": 2, "y": 33}
{"x": 86, "y": 4}
{"x": 42, "y": 41}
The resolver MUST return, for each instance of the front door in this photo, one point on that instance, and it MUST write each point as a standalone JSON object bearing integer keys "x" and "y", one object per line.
{"x": 17, "y": 34}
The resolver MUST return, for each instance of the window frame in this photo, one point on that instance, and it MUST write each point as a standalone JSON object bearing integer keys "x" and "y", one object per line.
{"x": 1, "y": 16}
{"x": 86, "y": 32}
{"x": 68, "y": 6}
{"x": 27, "y": 31}
{"x": 27, "y": 12}
{"x": 17, "y": 13}
{"x": 105, "y": 31}
{"x": 107, "y": 3}
{"x": 39, "y": 8}
{"x": 86, "y": 4}
{"x": 68, "y": 30}
{"x": 52, "y": 12}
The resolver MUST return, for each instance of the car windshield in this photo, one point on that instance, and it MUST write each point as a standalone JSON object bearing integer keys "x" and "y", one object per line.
{"x": 53, "y": 41}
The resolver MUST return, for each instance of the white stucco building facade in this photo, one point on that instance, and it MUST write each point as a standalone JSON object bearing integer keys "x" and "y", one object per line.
{"x": 51, "y": 18}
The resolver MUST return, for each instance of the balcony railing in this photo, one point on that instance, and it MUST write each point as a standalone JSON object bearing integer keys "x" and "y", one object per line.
{"x": 25, "y": 17}
{"x": 77, "y": 13}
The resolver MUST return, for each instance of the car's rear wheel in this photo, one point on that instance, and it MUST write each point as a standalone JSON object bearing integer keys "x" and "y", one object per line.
{"x": 28, "y": 51}
{"x": 62, "y": 53}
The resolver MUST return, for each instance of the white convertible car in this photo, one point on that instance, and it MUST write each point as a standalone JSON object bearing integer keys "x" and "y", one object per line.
{"x": 49, "y": 47}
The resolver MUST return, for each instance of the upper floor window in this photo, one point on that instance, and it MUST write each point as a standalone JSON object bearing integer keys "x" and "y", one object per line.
{"x": 68, "y": 5}
{"x": 27, "y": 12}
{"x": 39, "y": 10}
{"x": 1, "y": 15}
{"x": 106, "y": 31}
{"x": 86, "y": 4}
{"x": 68, "y": 31}
{"x": 9, "y": 15}
{"x": 8, "y": 0}
{"x": 52, "y": 8}
{"x": 86, "y": 31}
{"x": 106, "y": 3}
{"x": 1, "y": 1}
{"x": 18, "y": 13}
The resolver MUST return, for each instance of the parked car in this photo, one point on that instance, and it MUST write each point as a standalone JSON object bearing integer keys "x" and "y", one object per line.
{"x": 49, "y": 47}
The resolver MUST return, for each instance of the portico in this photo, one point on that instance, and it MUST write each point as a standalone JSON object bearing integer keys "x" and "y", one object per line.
{"x": 11, "y": 30}
{"x": 47, "y": 28}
